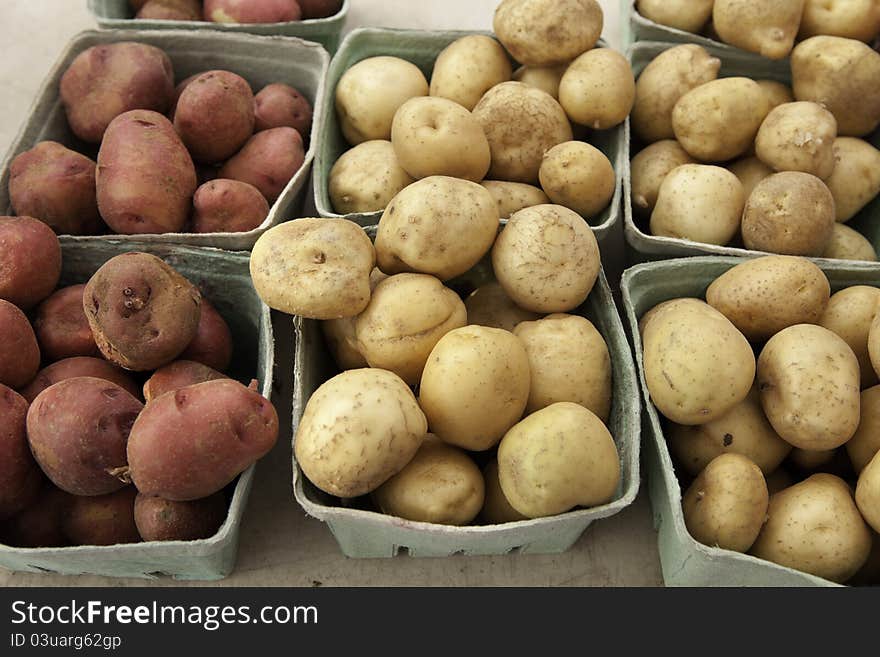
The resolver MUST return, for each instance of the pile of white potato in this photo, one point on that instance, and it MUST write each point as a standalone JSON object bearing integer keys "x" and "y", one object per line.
{"x": 767, "y": 27}
{"x": 479, "y": 120}
{"x": 753, "y": 163}
{"x": 784, "y": 448}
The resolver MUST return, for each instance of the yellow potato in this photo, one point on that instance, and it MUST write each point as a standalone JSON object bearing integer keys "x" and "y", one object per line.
{"x": 598, "y": 89}
{"x": 868, "y": 493}
{"x": 798, "y": 137}
{"x": 545, "y": 78}
{"x": 556, "y": 459}
{"x": 366, "y": 178}
{"x": 496, "y": 509}
{"x": 849, "y": 314}
{"x": 650, "y": 167}
{"x": 809, "y": 459}
{"x": 874, "y": 343}
{"x": 687, "y": 15}
{"x": 849, "y": 244}
{"x": 852, "y": 19}
{"x": 815, "y": 527}
{"x": 369, "y": 93}
{"x": 698, "y": 202}
{"x": 855, "y": 180}
{"x": 777, "y": 93}
{"x": 438, "y": 137}
{"x": 475, "y": 386}
{"x": 340, "y": 335}
{"x": 726, "y": 505}
{"x": 650, "y": 314}
{"x": 809, "y": 383}
{"x": 766, "y": 27}
{"x": 765, "y": 295}
{"x": 468, "y": 67}
{"x": 666, "y": 78}
{"x": 568, "y": 361}
{"x": 750, "y": 171}
{"x": 358, "y": 429}
{"x": 488, "y": 305}
{"x": 513, "y": 197}
{"x": 865, "y": 442}
{"x": 578, "y": 176}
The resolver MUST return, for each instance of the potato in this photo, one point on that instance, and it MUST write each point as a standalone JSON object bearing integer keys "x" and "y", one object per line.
{"x": 545, "y": 78}
{"x": 544, "y": 32}
{"x": 521, "y": 123}
{"x": 137, "y": 295}
{"x": 726, "y": 505}
{"x": 467, "y": 68}
{"x": 750, "y": 171}
{"x": 810, "y": 460}
{"x": 813, "y": 406}
{"x": 102, "y": 520}
{"x": 319, "y": 8}
{"x": 496, "y": 509}
{"x": 849, "y": 314}
{"x": 77, "y": 430}
{"x": 407, "y": 315}
{"x": 865, "y": 442}
{"x": 340, "y": 335}
{"x": 318, "y": 268}
{"x": 370, "y": 92}
{"x": 176, "y": 375}
{"x": 358, "y": 430}
{"x": 189, "y": 444}
{"x": 868, "y": 493}
{"x": 246, "y": 11}
{"x": 598, "y": 89}
{"x": 19, "y": 351}
{"x": 666, "y": 78}
{"x": 30, "y": 261}
{"x": 718, "y": 120}
{"x": 655, "y": 310}
{"x": 145, "y": 177}
{"x": 488, "y": 305}
{"x": 366, "y": 178}
{"x": 854, "y": 19}
{"x": 214, "y": 115}
{"x": 849, "y": 244}
{"x": 790, "y": 213}
{"x": 110, "y": 79}
{"x": 578, "y": 176}
{"x": 798, "y": 137}
{"x": 546, "y": 259}
{"x": 815, "y": 527}
{"x": 874, "y": 343}
{"x": 438, "y": 137}
{"x": 228, "y": 206}
{"x": 568, "y": 361}
{"x": 767, "y": 27}
{"x": 440, "y": 485}
{"x": 698, "y": 366}
{"x": 166, "y": 520}
{"x": 698, "y": 202}
{"x": 40, "y": 524}
{"x": 687, "y": 15}
{"x": 776, "y": 93}
{"x": 279, "y": 105}
{"x": 869, "y": 574}
{"x": 438, "y": 225}
{"x": 171, "y": 10}
{"x": 268, "y": 161}
{"x": 212, "y": 345}
{"x": 742, "y": 430}
{"x": 765, "y": 295}
{"x": 57, "y": 186}
{"x": 556, "y": 459}
{"x": 649, "y": 169}
{"x": 61, "y": 326}
{"x": 20, "y": 476}
{"x": 855, "y": 180}
{"x": 69, "y": 368}
{"x": 513, "y": 197}
{"x": 475, "y": 386}
{"x": 840, "y": 74}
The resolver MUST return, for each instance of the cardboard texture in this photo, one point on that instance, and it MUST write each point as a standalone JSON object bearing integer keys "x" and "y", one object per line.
{"x": 734, "y": 62}
{"x": 260, "y": 60}
{"x": 365, "y": 534}
{"x": 117, "y": 15}
{"x": 421, "y": 48}
{"x": 686, "y": 562}
{"x": 224, "y": 279}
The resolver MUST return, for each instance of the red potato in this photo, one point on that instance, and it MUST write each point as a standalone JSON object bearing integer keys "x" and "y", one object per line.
{"x": 108, "y": 80}
{"x": 57, "y": 186}
{"x": 279, "y": 105}
{"x": 212, "y": 345}
{"x": 183, "y": 84}
{"x": 146, "y": 177}
{"x": 191, "y": 443}
{"x": 20, "y": 476}
{"x": 214, "y": 115}
{"x": 267, "y": 161}
{"x": 177, "y": 375}
{"x": 137, "y": 4}
{"x": 171, "y": 10}
{"x": 70, "y": 368}
{"x": 319, "y": 8}
{"x": 158, "y": 519}
{"x": 228, "y": 206}
{"x": 19, "y": 351}
{"x": 102, "y": 519}
{"x": 30, "y": 261}
{"x": 61, "y": 326}
{"x": 40, "y": 524}
{"x": 251, "y": 11}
